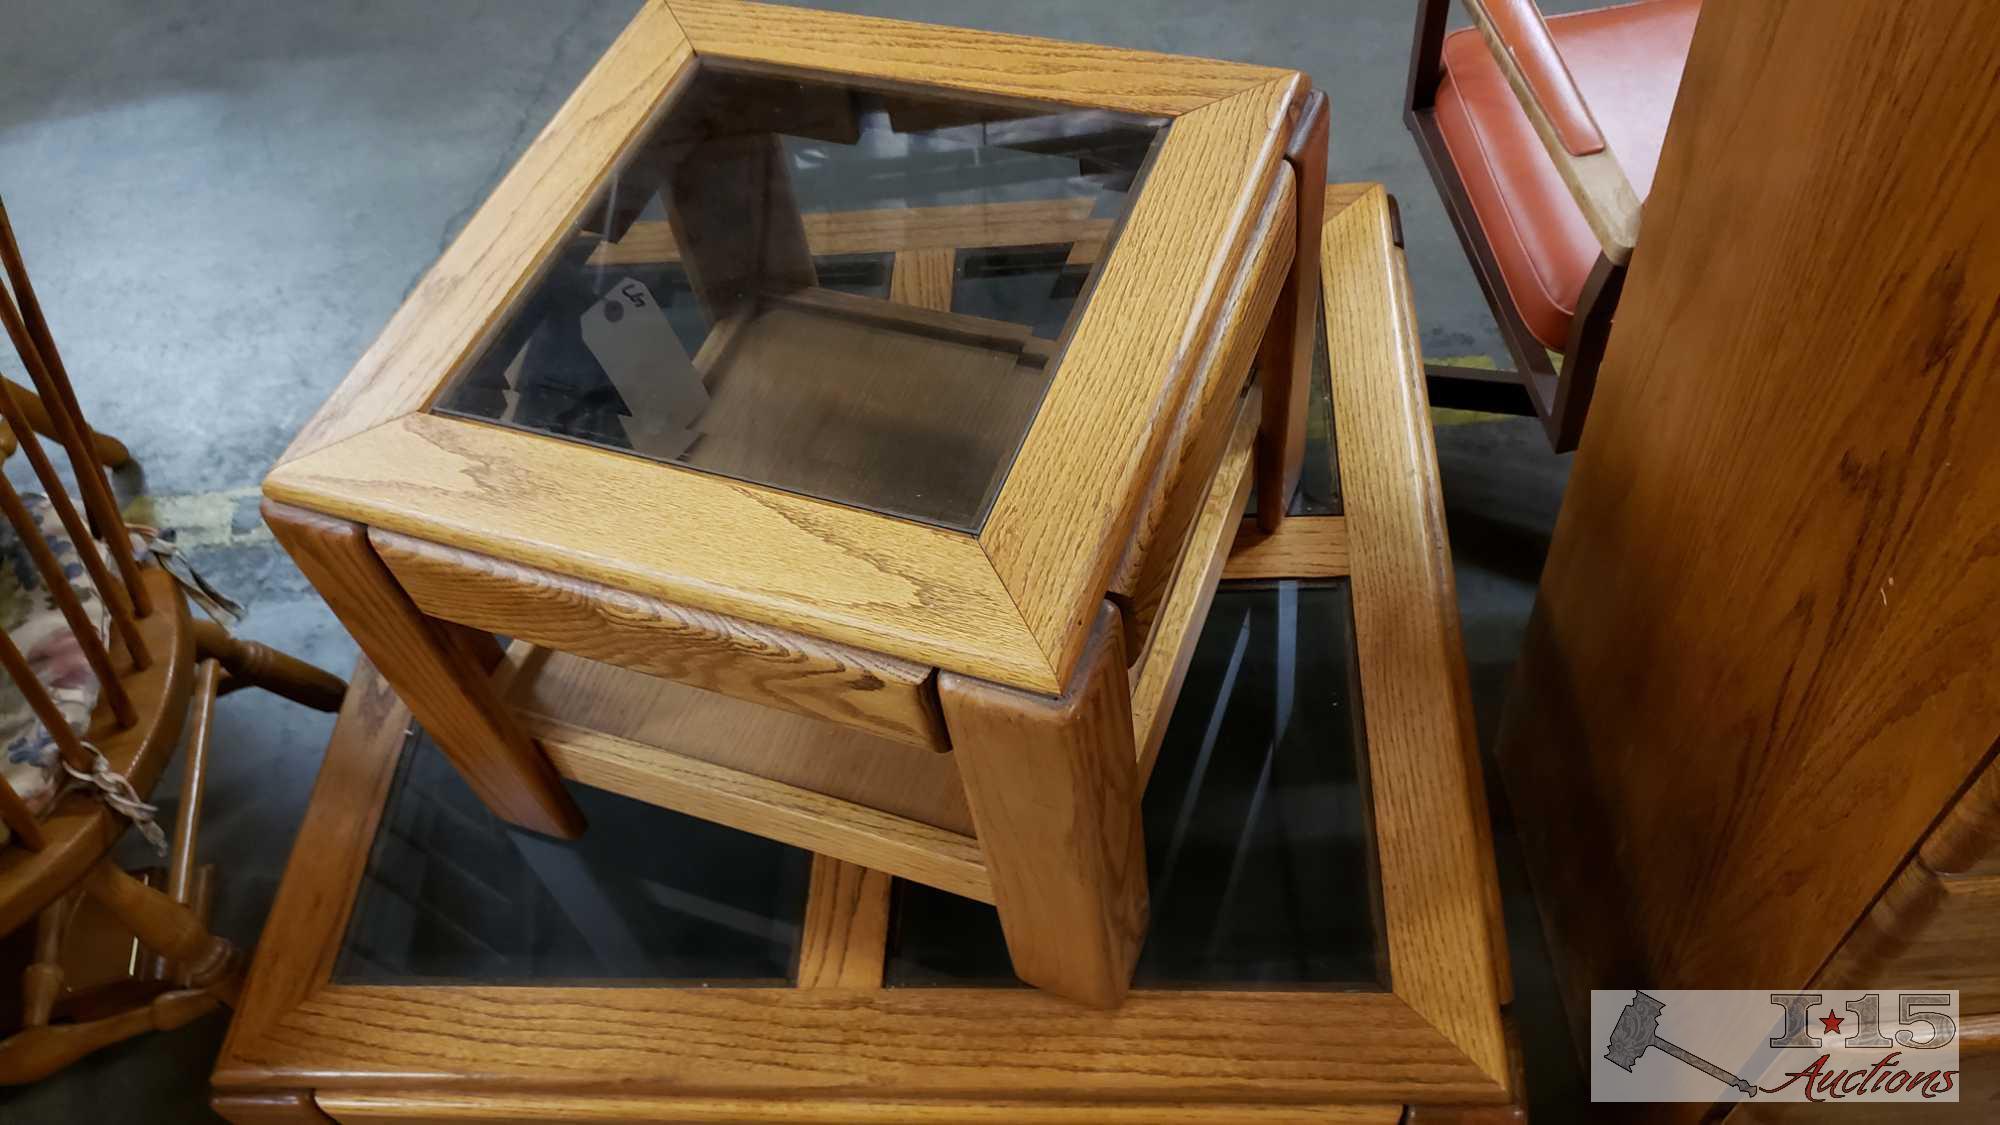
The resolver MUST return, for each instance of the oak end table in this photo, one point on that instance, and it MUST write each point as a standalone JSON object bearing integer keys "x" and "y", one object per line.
{"x": 847, "y": 420}
{"x": 1325, "y": 942}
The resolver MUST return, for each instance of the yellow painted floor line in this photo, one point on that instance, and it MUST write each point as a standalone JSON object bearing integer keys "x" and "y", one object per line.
{"x": 1441, "y": 416}
{"x": 202, "y": 519}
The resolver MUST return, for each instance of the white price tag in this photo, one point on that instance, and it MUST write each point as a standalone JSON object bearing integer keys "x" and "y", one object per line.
{"x": 633, "y": 342}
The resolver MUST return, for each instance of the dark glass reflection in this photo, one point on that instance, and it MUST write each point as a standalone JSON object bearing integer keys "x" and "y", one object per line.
{"x": 646, "y": 896}
{"x": 702, "y": 313}
{"x": 1318, "y": 493}
{"x": 1258, "y": 841}
{"x": 1033, "y": 286}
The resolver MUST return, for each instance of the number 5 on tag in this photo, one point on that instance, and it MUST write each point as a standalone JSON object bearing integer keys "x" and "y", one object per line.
{"x": 634, "y": 343}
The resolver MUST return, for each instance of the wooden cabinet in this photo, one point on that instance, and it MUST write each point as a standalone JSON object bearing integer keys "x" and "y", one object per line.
{"x": 1938, "y": 922}
{"x": 1751, "y": 739}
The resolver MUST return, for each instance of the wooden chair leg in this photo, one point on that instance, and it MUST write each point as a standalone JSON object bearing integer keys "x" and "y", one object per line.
{"x": 164, "y": 926}
{"x": 1054, "y": 791}
{"x": 251, "y": 664}
{"x": 182, "y": 871}
{"x": 1285, "y": 359}
{"x": 437, "y": 673}
{"x": 38, "y": 1052}
{"x": 42, "y": 982}
{"x": 212, "y": 969}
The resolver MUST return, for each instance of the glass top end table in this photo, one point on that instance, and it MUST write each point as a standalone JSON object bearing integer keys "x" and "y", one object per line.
{"x": 1324, "y": 944}
{"x": 853, "y": 294}
{"x": 922, "y": 325}
{"x": 821, "y": 389}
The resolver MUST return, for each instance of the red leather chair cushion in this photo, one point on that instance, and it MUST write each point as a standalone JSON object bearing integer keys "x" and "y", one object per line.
{"x": 1627, "y": 61}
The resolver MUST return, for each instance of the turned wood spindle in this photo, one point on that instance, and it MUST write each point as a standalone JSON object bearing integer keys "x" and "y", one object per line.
{"x": 65, "y": 595}
{"x": 59, "y": 402}
{"x": 117, "y": 597}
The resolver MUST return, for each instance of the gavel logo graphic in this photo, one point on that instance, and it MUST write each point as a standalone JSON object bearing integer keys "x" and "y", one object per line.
{"x": 1636, "y": 1030}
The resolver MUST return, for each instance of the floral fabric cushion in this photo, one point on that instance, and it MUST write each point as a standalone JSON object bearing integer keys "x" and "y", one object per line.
{"x": 29, "y": 761}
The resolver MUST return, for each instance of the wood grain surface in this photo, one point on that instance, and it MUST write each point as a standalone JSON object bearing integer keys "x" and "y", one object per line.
{"x": 254, "y": 664}
{"x": 1207, "y": 1056}
{"x": 1767, "y": 613}
{"x": 880, "y": 230}
{"x": 301, "y": 938}
{"x": 1966, "y": 840}
{"x": 1285, "y": 356}
{"x": 867, "y": 403}
{"x": 1926, "y": 931}
{"x": 981, "y": 1044}
{"x": 1129, "y": 364}
{"x": 1302, "y": 547}
{"x": 1202, "y": 428}
{"x": 79, "y": 829}
{"x": 753, "y": 553}
{"x": 774, "y": 810}
{"x": 441, "y": 681}
{"x": 758, "y": 663}
{"x": 1440, "y": 894}
{"x": 1159, "y": 672}
{"x": 526, "y": 219}
{"x": 846, "y": 926}
{"x": 836, "y": 1054}
{"x": 1018, "y": 618}
{"x": 1054, "y": 792}
{"x": 978, "y": 62}
{"x": 479, "y": 1109}
{"x": 840, "y": 761}
{"x": 923, "y": 278}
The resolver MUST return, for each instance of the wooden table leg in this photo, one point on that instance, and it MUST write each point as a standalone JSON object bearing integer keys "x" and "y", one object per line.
{"x": 1285, "y": 359}
{"x": 738, "y": 225}
{"x": 440, "y": 672}
{"x": 1054, "y": 790}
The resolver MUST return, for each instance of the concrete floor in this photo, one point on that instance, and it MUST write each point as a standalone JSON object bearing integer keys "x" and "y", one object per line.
{"x": 224, "y": 200}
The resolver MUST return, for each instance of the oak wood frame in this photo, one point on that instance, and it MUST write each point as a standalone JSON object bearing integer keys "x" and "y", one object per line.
{"x": 1435, "y": 1037}
{"x": 424, "y": 514}
{"x": 1559, "y": 397}
{"x": 774, "y": 667}
{"x": 1607, "y": 725}
{"x": 1011, "y": 605}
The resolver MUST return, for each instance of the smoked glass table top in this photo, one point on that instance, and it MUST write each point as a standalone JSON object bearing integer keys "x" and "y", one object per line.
{"x": 855, "y": 294}
{"x": 1259, "y": 850}
{"x": 1258, "y": 840}
{"x": 452, "y": 894}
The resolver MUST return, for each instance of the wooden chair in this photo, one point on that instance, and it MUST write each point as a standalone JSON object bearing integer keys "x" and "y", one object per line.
{"x": 1542, "y": 136}
{"x": 122, "y": 631}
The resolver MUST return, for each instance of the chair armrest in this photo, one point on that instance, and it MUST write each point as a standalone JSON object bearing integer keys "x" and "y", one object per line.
{"x": 1527, "y": 55}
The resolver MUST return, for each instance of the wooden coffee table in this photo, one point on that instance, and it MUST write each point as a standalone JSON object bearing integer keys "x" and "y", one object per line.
{"x": 1325, "y": 945}
{"x": 848, "y": 419}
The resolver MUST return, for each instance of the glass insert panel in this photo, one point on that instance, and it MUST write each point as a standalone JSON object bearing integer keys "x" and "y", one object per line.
{"x": 1259, "y": 845}
{"x": 1318, "y": 493}
{"x": 452, "y": 895}
{"x": 856, "y": 294}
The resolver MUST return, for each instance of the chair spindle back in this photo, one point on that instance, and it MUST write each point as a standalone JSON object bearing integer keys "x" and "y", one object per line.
{"x": 124, "y": 595}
